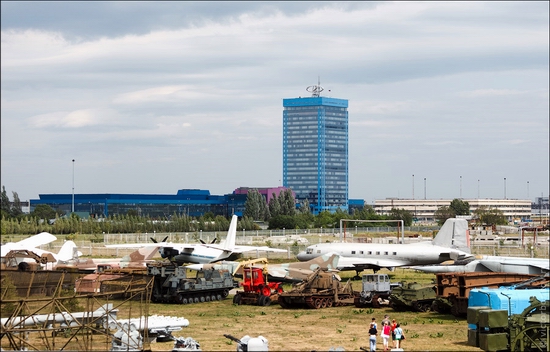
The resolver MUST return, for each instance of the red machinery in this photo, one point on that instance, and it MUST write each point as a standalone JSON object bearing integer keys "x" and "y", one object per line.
{"x": 257, "y": 289}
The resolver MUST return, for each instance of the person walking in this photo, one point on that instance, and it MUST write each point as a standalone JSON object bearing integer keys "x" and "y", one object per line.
{"x": 386, "y": 319}
{"x": 386, "y": 331}
{"x": 393, "y": 326}
{"x": 398, "y": 336}
{"x": 372, "y": 336}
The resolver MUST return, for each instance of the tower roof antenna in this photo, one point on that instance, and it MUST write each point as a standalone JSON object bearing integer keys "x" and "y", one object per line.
{"x": 317, "y": 89}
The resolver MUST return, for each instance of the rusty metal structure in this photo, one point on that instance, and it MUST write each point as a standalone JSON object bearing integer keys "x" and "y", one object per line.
{"x": 321, "y": 289}
{"x": 66, "y": 320}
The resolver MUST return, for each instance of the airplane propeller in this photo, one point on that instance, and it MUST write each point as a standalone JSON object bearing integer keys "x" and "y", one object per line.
{"x": 155, "y": 241}
{"x": 212, "y": 242}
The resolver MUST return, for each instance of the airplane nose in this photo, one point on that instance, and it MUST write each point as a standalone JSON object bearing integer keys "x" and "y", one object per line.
{"x": 302, "y": 256}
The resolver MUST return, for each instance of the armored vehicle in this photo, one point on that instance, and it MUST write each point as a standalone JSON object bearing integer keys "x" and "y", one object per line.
{"x": 413, "y": 296}
{"x": 375, "y": 291}
{"x": 321, "y": 289}
{"x": 172, "y": 284}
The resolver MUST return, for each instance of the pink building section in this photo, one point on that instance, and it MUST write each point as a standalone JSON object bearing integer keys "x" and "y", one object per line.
{"x": 266, "y": 192}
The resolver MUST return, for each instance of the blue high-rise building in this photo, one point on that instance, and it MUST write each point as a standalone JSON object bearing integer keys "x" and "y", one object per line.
{"x": 315, "y": 150}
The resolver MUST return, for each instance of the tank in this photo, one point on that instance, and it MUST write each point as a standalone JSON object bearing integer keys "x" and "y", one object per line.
{"x": 413, "y": 296}
{"x": 172, "y": 284}
{"x": 321, "y": 289}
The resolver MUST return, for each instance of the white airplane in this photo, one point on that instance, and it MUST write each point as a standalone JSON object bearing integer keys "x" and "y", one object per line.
{"x": 28, "y": 243}
{"x": 66, "y": 252}
{"x": 203, "y": 253}
{"x": 486, "y": 263}
{"x": 451, "y": 242}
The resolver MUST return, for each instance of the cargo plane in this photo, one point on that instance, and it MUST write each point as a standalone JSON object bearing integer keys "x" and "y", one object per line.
{"x": 451, "y": 243}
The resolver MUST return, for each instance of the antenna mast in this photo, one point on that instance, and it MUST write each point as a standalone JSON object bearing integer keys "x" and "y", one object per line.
{"x": 315, "y": 90}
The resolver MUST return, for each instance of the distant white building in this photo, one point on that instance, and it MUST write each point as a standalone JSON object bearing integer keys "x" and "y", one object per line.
{"x": 518, "y": 210}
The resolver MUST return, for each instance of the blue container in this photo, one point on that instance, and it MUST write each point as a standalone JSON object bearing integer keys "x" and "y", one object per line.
{"x": 513, "y": 300}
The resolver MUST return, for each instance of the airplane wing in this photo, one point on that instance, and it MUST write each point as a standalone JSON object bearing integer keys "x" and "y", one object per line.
{"x": 242, "y": 249}
{"x": 353, "y": 263}
{"x": 29, "y": 243}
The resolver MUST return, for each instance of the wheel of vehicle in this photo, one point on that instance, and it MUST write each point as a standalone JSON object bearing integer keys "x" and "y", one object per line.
{"x": 323, "y": 303}
{"x": 266, "y": 291}
{"x": 219, "y": 297}
{"x": 196, "y": 300}
{"x": 202, "y": 299}
{"x": 317, "y": 303}
{"x": 267, "y": 301}
{"x": 179, "y": 298}
{"x": 184, "y": 301}
{"x": 213, "y": 297}
{"x": 237, "y": 299}
{"x": 225, "y": 293}
{"x": 329, "y": 302}
{"x": 207, "y": 298}
{"x": 279, "y": 288}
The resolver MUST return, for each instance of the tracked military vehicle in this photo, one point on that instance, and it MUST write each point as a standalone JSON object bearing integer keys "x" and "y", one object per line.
{"x": 413, "y": 296}
{"x": 173, "y": 285}
{"x": 321, "y": 289}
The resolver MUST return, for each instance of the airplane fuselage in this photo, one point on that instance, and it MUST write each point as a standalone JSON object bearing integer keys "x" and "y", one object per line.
{"x": 383, "y": 255}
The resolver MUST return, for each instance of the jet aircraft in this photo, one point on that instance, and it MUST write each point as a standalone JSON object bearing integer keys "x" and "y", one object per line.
{"x": 286, "y": 272}
{"x": 486, "y": 263}
{"x": 203, "y": 253}
{"x": 451, "y": 242}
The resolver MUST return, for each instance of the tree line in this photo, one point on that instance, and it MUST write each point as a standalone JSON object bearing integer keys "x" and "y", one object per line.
{"x": 281, "y": 212}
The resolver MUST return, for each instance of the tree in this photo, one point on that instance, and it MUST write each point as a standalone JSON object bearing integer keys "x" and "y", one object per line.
{"x": 16, "y": 207}
{"x": 43, "y": 211}
{"x": 6, "y": 205}
{"x": 255, "y": 205}
{"x": 490, "y": 216}
{"x": 274, "y": 206}
{"x": 401, "y": 214}
{"x": 460, "y": 207}
{"x": 287, "y": 202}
{"x": 282, "y": 222}
{"x": 443, "y": 213}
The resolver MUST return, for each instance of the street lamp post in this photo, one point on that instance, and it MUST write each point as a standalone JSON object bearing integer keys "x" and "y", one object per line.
{"x": 424, "y": 188}
{"x": 72, "y": 204}
{"x": 505, "y": 188}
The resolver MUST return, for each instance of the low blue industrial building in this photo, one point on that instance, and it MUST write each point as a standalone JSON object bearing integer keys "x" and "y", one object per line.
{"x": 190, "y": 202}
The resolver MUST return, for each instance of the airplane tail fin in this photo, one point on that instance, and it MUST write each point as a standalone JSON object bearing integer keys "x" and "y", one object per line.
{"x": 231, "y": 234}
{"x": 328, "y": 261}
{"x": 141, "y": 255}
{"x": 68, "y": 251}
{"x": 454, "y": 234}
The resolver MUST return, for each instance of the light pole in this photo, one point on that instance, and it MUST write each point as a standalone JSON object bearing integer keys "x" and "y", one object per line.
{"x": 72, "y": 207}
{"x": 527, "y": 189}
{"x": 460, "y": 187}
{"x": 413, "y": 186}
{"x": 505, "y": 188}
{"x": 478, "y": 189}
{"x": 424, "y": 188}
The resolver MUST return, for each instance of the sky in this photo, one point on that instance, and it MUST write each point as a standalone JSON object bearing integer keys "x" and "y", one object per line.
{"x": 446, "y": 99}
